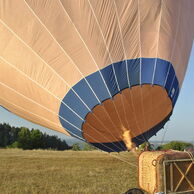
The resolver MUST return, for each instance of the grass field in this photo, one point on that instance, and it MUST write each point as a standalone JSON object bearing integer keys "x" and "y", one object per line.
{"x": 71, "y": 172}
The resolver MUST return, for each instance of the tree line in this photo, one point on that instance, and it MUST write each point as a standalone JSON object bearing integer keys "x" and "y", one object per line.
{"x": 22, "y": 137}
{"x": 174, "y": 145}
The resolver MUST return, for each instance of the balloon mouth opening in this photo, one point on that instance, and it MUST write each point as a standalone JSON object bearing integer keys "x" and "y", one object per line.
{"x": 129, "y": 119}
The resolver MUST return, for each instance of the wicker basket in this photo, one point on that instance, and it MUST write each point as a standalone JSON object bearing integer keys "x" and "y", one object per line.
{"x": 166, "y": 171}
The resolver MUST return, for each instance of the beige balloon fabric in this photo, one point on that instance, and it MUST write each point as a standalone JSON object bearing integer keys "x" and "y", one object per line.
{"x": 107, "y": 72}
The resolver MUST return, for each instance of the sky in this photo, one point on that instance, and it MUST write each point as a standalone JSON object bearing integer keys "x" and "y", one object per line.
{"x": 180, "y": 126}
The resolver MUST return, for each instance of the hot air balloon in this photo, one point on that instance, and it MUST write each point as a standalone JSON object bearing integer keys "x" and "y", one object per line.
{"x": 107, "y": 72}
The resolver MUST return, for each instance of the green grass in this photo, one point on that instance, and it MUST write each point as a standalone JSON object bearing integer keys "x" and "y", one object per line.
{"x": 40, "y": 171}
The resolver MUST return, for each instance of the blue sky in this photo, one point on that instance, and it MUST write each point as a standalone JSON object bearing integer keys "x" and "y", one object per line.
{"x": 180, "y": 126}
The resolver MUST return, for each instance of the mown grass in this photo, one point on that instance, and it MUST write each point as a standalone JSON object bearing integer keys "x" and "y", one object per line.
{"x": 68, "y": 172}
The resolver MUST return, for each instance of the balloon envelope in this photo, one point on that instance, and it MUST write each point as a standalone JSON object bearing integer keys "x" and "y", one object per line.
{"x": 106, "y": 72}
